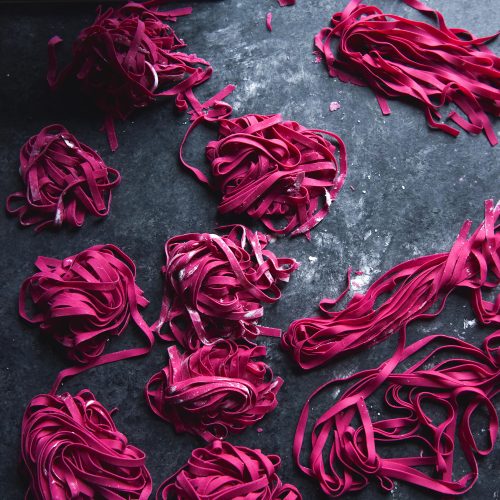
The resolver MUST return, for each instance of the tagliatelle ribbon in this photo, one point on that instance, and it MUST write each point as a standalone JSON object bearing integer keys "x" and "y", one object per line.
{"x": 64, "y": 180}
{"x": 219, "y": 389}
{"x": 128, "y": 58}
{"x": 215, "y": 286}
{"x": 269, "y": 19}
{"x": 413, "y": 288}
{"x": 82, "y": 301}
{"x": 460, "y": 386}
{"x": 71, "y": 448}
{"x": 402, "y": 58}
{"x": 224, "y": 471}
{"x": 272, "y": 170}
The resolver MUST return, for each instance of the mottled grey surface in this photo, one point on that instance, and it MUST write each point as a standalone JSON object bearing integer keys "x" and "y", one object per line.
{"x": 413, "y": 189}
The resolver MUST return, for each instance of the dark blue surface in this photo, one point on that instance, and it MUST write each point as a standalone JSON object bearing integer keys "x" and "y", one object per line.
{"x": 413, "y": 189}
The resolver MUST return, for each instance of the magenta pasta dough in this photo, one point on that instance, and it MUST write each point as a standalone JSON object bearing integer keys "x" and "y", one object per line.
{"x": 412, "y": 289}
{"x": 216, "y": 285}
{"x": 64, "y": 179}
{"x": 71, "y": 448}
{"x": 219, "y": 389}
{"x": 275, "y": 171}
{"x": 429, "y": 65}
{"x": 128, "y": 58}
{"x": 84, "y": 300}
{"x": 222, "y": 470}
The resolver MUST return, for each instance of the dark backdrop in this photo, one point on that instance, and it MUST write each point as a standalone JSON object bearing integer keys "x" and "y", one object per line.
{"x": 414, "y": 187}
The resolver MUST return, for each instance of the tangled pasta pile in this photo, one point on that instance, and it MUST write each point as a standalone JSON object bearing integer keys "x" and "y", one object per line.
{"x": 218, "y": 389}
{"x": 221, "y": 470}
{"x": 71, "y": 448}
{"x": 85, "y": 299}
{"x": 430, "y": 65}
{"x": 456, "y": 377}
{"x": 215, "y": 286}
{"x": 413, "y": 288}
{"x": 64, "y": 179}
{"x": 128, "y": 58}
{"x": 275, "y": 171}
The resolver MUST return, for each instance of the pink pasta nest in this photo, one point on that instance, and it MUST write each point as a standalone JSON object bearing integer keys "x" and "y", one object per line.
{"x": 83, "y": 300}
{"x": 64, "y": 181}
{"x": 215, "y": 286}
{"x": 276, "y": 171}
{"x": 455, "y": 376}
{"x": 71, "y": 448}
{"x": 426, "y": 64}
{"x": 128, "y": 58}
{"x": 219, "y": 389}
{"x": 222, "y": 470}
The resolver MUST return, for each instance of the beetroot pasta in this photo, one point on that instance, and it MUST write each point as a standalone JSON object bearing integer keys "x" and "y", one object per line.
{"x": 84, "y": 300}
{"x": 276, "y": 171}
{"x": 219, "y": 389}
{"x": 221, "y": 470}
{"x": 128, "y": 58}
{"x": 269, "y": 19}
{"x": 413, "y": 288}
{"x": 215, "y": 286}
{"x": 64, "y": 181}
{"x": 71, "y": 448}
{"x": 429, "y": 65}
{"x": 456, "y": 377}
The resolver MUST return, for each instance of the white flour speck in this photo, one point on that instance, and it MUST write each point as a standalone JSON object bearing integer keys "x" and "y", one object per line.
{"x": 468, "y": 324}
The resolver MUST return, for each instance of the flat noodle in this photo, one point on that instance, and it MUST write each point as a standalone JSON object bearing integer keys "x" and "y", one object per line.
{"x": 64, "y": 181}
{"x": 269, "y": 18}
{"x": 221, "y": 470}
{"x": 414, "y": 287}
{"x": 460, "y": 386}
{"x": 128, "y": 58}
{"x": 402, "y": 58}
{"x": 84, "y": 300}
{"x": 219, "y": 389}
{"x": 215, "y": 286}
{"x": 71, "y": 448}
{"x": 273, "y": 170}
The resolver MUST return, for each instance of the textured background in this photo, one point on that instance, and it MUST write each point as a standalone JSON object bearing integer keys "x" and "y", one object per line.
{"x": 413, "y": 189}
